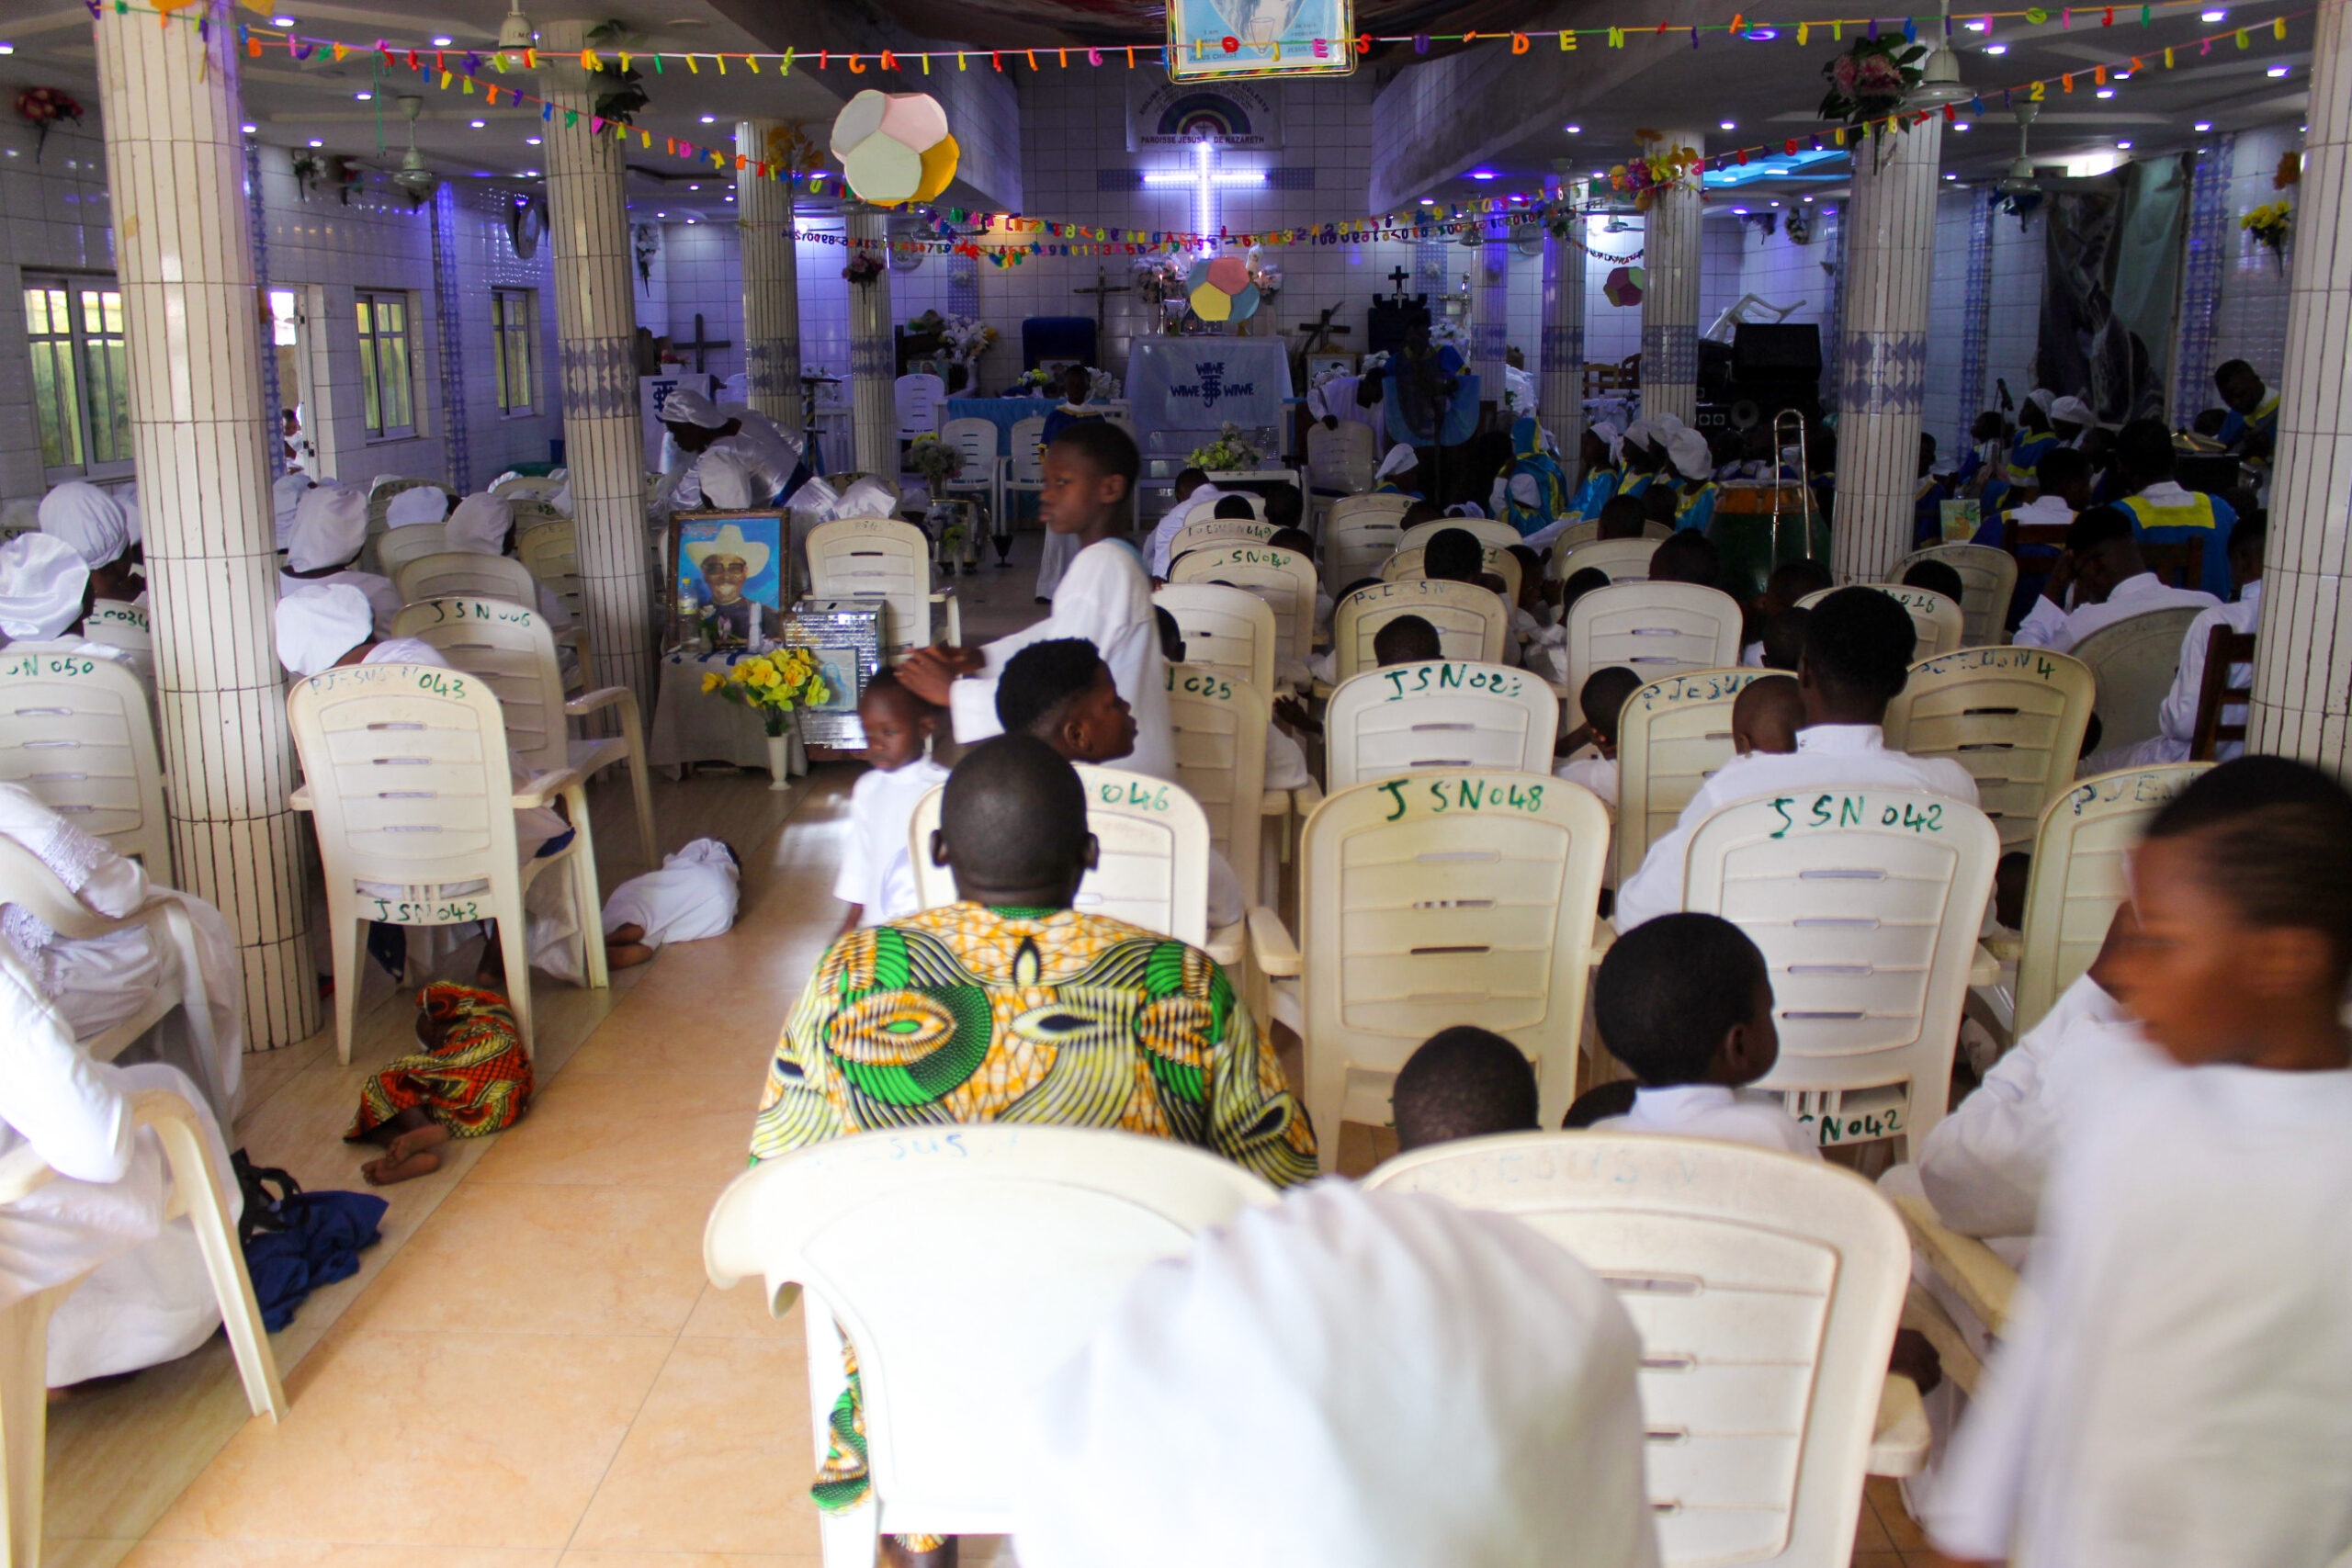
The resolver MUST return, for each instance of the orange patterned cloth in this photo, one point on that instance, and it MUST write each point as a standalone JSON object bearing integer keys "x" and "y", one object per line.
{"x": 475, "y": 1082}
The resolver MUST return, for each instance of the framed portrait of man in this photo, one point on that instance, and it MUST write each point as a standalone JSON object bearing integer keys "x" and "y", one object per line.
{"x": 730, "y": 568}
{"x": 1222, "y": 39}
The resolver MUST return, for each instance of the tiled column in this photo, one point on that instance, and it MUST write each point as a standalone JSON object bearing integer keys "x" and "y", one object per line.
{"x": 596, "y": 330}
{"x": 457, "y": 443}
{"x": 199, "y": 433}
{"x": 1490, "y": 335}
{"x": 770, "y": 281}
{"x": 1560, "y": 360}
{"x": 1976, "y": 316}
{"x": 1883, "y": 354}
{"x": 2303, "y": 670}
{"x": 872, "y": 359}
{"x": 1670, "y": 302}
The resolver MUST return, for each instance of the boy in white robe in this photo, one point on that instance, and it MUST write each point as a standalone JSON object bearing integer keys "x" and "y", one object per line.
{"x": 2175, "y": 1390}
{"x": 1196, "y": 496}
{"x": 1106, "y": 598}
{"x": 691, "y": 898}
{"x": 1856, "y": 656}
{"x": 2110, "y": 583}
{"x": 330, "y": 526}
{"x": 2176, "y": 720}
{"x": 1686, "y": 1002}
{"x": 878, "y": 878}
{"x": 144, "y": 1295}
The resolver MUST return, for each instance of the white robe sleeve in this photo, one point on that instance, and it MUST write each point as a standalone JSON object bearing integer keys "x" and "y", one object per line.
{"x": 1657, "y": 888}
{"x": 2178, "y": 717}
{"x": 2045, "y": 627}
{"x": 66, "y": 1105}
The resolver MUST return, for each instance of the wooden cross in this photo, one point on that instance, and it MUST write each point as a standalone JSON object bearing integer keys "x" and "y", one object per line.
{"x": 1102, "y": 292}
{"x": 1320, "y": 332}
{"x": 702, "y": 345}
{"x": 1400, "y": 277}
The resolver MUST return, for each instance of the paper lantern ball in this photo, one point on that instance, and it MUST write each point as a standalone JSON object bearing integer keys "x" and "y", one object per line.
{"x": 894, "y": 147}
{"x": 1220, "y": 290}
{"x": 1624, "y": 284}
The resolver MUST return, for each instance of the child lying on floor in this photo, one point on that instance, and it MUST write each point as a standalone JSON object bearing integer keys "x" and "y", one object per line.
{"x": 473, "y": 1078}
{"x": 691, "y": 898}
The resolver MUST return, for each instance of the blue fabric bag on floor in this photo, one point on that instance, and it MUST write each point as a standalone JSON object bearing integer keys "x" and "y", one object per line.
{"x": 323, "y": 1235}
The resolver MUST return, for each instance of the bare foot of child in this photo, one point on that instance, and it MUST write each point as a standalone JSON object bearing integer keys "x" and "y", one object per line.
{"x": 408, "y": 1155}
{"x": 627, "y": 955}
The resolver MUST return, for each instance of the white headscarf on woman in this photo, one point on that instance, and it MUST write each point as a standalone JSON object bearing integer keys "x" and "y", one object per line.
{"x": 319, "y": 625}
{"x": 479, "y": 526}
{"x": 89, "y": 519}
{"x": 1373, "y": 1380}
{"x": 330, "y": 525}
{"x": 425, "y": 503}
{"x": 42, "y": 583}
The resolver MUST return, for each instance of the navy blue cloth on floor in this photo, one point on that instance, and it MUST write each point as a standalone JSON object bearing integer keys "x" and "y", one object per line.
{"x": 324, "y": 1234}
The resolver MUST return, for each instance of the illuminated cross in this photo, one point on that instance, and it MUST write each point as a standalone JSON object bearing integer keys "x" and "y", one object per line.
{"x": 1205, "y": 177}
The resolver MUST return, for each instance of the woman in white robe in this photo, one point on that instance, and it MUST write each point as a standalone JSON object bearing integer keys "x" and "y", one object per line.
{"x": 144, "y": 1295}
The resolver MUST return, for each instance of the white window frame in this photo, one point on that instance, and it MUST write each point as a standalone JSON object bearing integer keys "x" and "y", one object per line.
{"x": 514, "y": 327}
{"x": 90, "y": 370}
{"x": 374, "y": 374}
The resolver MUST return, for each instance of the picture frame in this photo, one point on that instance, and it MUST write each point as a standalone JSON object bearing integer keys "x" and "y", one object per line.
{"x": 760, "y": 541}
{"x": 1269, "y": 37}
{"x": 845, "y": 635}
{"x": 1341, "y": 360}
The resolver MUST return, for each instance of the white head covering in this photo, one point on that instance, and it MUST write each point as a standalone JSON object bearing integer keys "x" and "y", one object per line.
{"x": 425, "y": 503}
{"x": 89, "y": 519}
{"x": 330, "y": 525}
{"x": 283, "y": 497}
{"x": 42, "y": 581}
{"x": 479, "y": 526}
{"x": 1466, "y": 509}
{"x": 1526, "y": 491}
{"x": 1400, "y": 458}
{"x": 1423, "y": 1385}
{"x": 2072, "y": 410}
{"x": 687, "y": 406}
{"x": 705, "y": 852}
{"x": 1607, "y": 433}
{"x": 2041, "y": 398}
{"x": 127, "y": 499}
{"x": 1666, "y": 424}
{"x": 1641, "y": 433}
{"x": 319, "y": 625}
{"x": 1687, "y": 450}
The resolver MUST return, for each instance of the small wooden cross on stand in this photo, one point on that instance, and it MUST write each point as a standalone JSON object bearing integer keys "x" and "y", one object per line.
{"x": 702, "y": 345}
{"x": 1103, "y": 290}
{"x": 1399, "y": 278}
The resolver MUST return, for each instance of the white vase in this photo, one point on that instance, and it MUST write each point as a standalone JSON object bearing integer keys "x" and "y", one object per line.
{"x": 779, "y": 762}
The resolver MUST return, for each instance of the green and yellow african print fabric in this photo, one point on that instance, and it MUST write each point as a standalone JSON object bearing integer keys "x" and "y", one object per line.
{"x": 964, "y": 1014}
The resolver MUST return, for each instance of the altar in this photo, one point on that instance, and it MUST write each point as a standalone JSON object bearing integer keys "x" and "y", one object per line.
{"x": 1184, "y": 391}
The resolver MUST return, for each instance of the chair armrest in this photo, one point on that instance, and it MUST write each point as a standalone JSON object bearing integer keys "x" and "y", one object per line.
{"x": 1228, "y": 943}
{"x": 548, "y": 786}
{"x": 1899, "y": 1441}
{"x": 1271, "y": 944}
{"x": 1604, "y": 937}
{"x": 1274, "y": 803}
{"x": 602, "y": 697}
{"x": 1986, "y": 1286}
{"x": 2003, "y": 948}
{"x": 300, "y": 800}
{"x": 1306, "y": 799}
{"x": 1984, "y": 969}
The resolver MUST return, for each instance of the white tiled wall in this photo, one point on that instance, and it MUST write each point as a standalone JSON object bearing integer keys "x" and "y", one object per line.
{"x": 56, "y": 215}
{"x": 2250, "y": 323}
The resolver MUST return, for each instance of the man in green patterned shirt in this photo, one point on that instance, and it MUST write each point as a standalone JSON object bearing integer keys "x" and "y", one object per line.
{"x": 1011, "y": 1006}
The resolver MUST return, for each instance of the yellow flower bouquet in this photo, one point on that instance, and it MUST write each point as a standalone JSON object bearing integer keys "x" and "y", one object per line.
{"x": 771, "y": 684}
{"x": 2269, "y": 224}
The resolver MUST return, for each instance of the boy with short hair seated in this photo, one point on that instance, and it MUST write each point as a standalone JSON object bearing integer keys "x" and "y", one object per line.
{"x": 1686, "y": 1001}
{"x": 1936, "y": 577}
{"x": 1790, "y": 582}
{"x": 1407, "y": 639}
{"x": 1194, "y": 495}
{"x": 1765, "y": 716}
{"x": 1856, "y": 658}
{"x": 1622, "y": 517}
{"x": 1463, "y": 1082}
{"x": 2177, "y": 1392}
{"x": 1603, "y": 702}
{"x": 1688, "y": 557}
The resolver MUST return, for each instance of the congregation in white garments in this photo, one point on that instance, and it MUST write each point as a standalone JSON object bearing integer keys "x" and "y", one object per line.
{"x": 1120, "y": 784}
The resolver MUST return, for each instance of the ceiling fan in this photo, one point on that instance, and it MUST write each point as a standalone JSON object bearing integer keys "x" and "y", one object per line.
{"x": 413, "y": 178}
{"x": 1940, "y": 82}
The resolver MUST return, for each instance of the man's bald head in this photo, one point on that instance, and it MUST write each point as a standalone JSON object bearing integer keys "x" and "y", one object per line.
{"x": 1013, "y": 822}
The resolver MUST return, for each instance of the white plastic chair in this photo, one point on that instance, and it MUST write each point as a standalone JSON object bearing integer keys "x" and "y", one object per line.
{"x": 549, "y": 551}
{"x": 1441, "y": 716}
{"x": 1041, "y": 1228}
{"x": 1988, "y": 577}
{"x": 2078, "y": 876}
{"x": 1867, "y": 904}
{"x": 399, "y": 547}
{"x": 1024, "y": 464}
{"x": 405, "y": 770}
{"x": 1428, "y": 901}
{"x": 1230, "y": 630}
{"x": 1619, "y": 560}
{"x": 2134, "y": 660}
{"x": 1654, "y": 630}
{"x": 1220, "y": 724}
{"x": 1284, "y": 579}
{"x": 1493, "y": 534}
{"x": 1936, "y": 621}
{"x": 1671, "y": 737}
{"x": 198, "y": 1191}
{"x": 1409, "y": 565}
{"x": 512, "y": 648}
{"x": 2013, "y": 716}
{"x": 1208, "y": 533}
{"x": 1339, "y": 460}
{"x": 117, "y": 625}
{"x": 1766, "y": 1289}
{"x": 1153, "y": 870}
{"x": 453, "y": 574}
{"x": 1471, "y": 622}
{"x": 75, "y": 730}
{"x": 1358, "y": 536}
{"x": 919, "y": 398}
{"x": 527, "y": 486}
{"x": 882, "y": 558}
{"x": 982, "y": 467}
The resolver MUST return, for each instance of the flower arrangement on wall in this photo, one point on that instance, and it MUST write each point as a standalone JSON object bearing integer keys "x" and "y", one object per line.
{"x": 2271, "y": 224}
{"x": 862, "y": 269}
{"x": 1656, "y": 169}
{"x": 45, "y": 107}
{"x": 1868, "y": 82}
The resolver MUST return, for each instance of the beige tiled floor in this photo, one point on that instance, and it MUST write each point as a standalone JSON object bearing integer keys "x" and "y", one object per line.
{"x": 530, "y": 1371}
